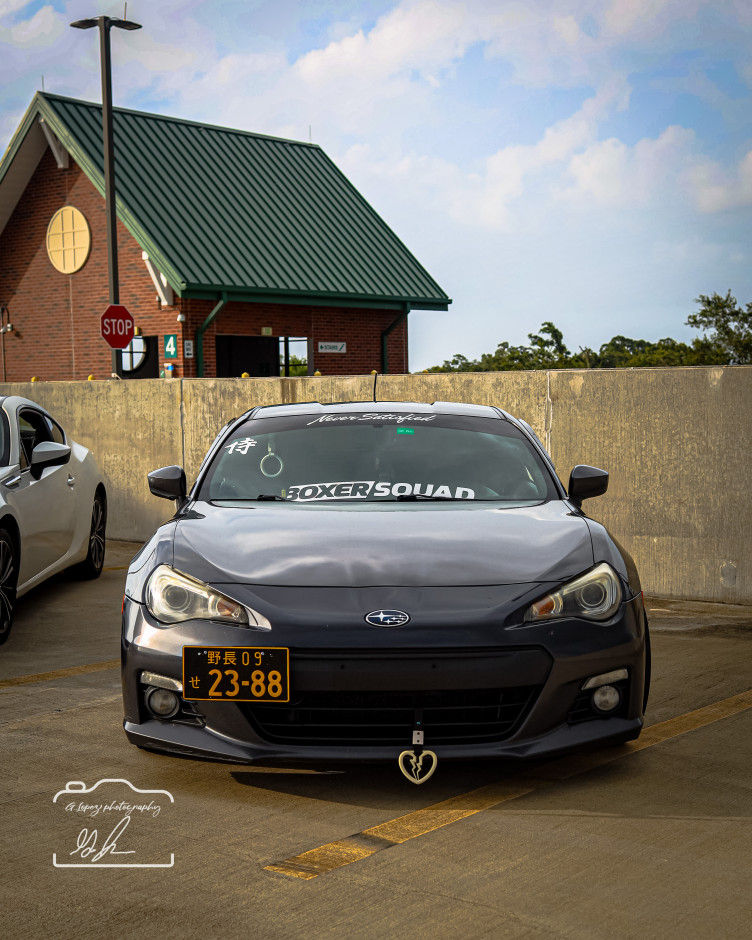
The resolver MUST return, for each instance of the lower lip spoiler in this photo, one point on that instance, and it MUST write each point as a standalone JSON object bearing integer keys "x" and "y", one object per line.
{"x": 204, "y": 743}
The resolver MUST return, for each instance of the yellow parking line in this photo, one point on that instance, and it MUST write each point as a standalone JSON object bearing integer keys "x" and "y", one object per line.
{"x": 116, "y": 568}
{"x": 59, "y": 673}
{"x": 363, "y": 844}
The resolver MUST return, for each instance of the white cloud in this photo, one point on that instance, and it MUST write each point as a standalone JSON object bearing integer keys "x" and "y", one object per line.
{"x": 664, "y": 171}
{"x": 609, "y": 173}
{"x": 716, "y": 188}
{"x": 488, "y": 196}
{"x": 43, "y": 29}
{"x": 568, "y": 28}
{"x": 422, "y": 37}
{"x": 10, "y": 6}
{"x": 498, "y": 196}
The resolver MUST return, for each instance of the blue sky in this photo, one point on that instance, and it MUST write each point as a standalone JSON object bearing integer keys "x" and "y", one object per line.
{"x": 582, "y": 161}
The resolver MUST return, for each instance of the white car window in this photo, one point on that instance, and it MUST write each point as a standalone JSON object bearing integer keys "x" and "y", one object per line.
{"x": 32, "y": 430}
{"x": 58, "y": 435}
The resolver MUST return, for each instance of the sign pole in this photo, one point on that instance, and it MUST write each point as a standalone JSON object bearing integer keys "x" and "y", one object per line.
{"x": 109, "y": 165}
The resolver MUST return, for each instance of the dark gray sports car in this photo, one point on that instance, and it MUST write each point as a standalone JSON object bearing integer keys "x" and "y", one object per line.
{"x": 381, "y": 581}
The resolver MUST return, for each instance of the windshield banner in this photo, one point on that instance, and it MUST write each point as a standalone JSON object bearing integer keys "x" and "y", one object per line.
{"x": 362, "y": 489}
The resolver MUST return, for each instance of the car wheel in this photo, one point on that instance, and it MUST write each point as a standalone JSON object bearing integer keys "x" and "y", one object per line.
{"x": 8, "y": 582}
{"x": 91, "y": 566}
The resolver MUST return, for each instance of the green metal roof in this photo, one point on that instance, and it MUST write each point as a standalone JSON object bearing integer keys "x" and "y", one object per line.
{"x": 226, "y": 210}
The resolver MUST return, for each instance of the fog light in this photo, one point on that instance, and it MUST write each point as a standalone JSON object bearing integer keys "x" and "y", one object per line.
{"x": 163, "y": 703}
{"x": 606, "y": 698}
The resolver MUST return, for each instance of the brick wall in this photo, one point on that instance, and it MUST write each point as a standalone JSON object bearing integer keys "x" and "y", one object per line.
{"x": 56, "y": 316}
{"x": 360, "y": 329}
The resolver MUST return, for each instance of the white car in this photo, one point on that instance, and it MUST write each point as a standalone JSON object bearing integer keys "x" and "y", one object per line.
{"x": 53, "y": 504}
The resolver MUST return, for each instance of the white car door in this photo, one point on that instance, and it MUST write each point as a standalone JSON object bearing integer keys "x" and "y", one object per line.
{"x": 46, "y": 508}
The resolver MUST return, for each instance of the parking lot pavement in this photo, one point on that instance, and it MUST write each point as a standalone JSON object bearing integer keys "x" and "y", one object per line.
{"x": 653, "y": 838}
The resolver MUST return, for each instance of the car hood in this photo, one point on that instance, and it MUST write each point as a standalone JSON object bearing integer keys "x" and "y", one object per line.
{"x": 400, "y": 544}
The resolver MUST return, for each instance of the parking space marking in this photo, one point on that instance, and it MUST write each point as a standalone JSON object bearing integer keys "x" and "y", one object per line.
{"x": 116, "y": 568}
{"x": 59, "y": 673}
{"x": 334, "y": 855}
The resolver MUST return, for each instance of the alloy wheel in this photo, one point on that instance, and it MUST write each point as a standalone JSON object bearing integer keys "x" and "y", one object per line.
{"x": 96, "y": 539}
{"x": 8, "y": 582}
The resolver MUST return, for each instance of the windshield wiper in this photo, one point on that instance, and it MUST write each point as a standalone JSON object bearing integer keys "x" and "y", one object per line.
{"x": 270, "y": 496}
{"x": 409, "y": 497}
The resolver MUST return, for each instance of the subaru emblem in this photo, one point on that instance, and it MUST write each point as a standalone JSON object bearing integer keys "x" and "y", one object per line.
{"x": 387, "y": 618}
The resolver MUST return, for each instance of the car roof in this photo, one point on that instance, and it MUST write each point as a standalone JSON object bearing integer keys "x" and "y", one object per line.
{"x": 377, "y": 407}
{"x": 11, "y": 402}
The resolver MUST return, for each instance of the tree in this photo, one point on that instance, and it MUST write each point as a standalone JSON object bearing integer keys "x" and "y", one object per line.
{"x": 298, "y": 365}
{"x": 620, "y": 352}
{"x": 731, "y": 325}
{"x": 548, "y": 351}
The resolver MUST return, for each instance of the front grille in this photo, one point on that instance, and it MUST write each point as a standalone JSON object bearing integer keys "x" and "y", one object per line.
{"x": 387, "y": 718}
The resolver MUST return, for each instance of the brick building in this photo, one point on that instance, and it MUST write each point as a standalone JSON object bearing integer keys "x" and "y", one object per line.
{"x": 235, "y": 251}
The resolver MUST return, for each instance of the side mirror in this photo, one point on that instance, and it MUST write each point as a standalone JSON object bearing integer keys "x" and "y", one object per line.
{"x": 168, "y": 482}
{"x": 586, "y": 482}
{"x": 48, "y": 454}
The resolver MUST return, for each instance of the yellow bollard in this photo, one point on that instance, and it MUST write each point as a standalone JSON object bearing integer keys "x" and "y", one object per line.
{"x": 34, "y": 378}
{"x": 245, "y": 375}
{"x": 90, "y": 379}
{"x": 317, "y": 372}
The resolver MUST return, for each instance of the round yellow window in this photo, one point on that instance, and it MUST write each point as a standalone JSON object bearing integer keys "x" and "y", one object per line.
{"x": 68, "y": 240}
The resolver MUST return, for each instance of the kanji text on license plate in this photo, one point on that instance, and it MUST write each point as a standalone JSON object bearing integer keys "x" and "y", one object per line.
{"x": 236, "y": 674}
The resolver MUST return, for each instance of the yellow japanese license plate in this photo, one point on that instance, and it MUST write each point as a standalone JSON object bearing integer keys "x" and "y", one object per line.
{"x": 236, "y": 674}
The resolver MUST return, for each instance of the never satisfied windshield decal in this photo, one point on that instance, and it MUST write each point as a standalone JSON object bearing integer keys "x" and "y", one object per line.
{"x": 362, "y": 489}
{"x": 376, "y": 417}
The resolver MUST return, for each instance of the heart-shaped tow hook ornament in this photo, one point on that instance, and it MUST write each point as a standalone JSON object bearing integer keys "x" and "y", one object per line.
{"x": 416, "y": 767}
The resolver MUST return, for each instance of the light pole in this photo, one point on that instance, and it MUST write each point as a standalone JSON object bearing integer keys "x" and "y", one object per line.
{"x": 4, "y": 328}
{"x": 105, "y": 23}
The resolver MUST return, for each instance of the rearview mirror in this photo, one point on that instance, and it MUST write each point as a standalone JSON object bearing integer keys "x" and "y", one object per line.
{"x": 586, "y": 482}
{"x": 48, "y": 454}
{"x": 168, "y": 482}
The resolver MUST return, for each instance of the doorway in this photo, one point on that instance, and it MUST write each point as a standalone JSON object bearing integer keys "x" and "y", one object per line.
{"x": 256, "y": 355}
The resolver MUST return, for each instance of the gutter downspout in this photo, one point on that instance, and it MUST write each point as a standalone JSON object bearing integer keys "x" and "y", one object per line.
{"x": 385, "y": 335}
{"x": 200, "y": 335}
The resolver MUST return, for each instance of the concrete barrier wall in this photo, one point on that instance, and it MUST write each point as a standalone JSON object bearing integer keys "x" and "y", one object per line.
{"x": 677, "y": 443}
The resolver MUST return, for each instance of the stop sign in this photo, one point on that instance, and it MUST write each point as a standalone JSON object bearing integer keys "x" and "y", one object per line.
{"x": 117, "y": 326}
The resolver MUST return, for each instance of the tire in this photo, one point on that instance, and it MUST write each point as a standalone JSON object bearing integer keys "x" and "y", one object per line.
{"x": 648, "y": 667}
{"x": 8, "y": 582}
{"x": 91, "y": 566}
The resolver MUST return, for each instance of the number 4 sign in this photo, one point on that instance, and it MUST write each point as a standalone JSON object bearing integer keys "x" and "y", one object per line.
{"x": 171, "y": 346}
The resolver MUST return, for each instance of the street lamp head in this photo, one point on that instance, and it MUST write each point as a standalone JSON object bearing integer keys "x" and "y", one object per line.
{"x": 109, "y": 21}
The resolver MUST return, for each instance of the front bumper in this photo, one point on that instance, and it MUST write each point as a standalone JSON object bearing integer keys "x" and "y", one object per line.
{"x": 534, "y": 674}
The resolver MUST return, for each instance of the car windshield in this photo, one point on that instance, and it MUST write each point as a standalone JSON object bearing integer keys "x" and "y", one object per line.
{"x": 377, "y": 457}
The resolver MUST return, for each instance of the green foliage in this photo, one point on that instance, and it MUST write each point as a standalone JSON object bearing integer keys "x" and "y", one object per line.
{"x": 730, "y": 326}
{"x": 298, "y": 365}
{"x": 548, "y": 351}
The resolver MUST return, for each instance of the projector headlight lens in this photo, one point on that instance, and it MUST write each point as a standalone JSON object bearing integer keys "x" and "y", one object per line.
{"x": 172, "y": 597}
{"x": 593, "y": 596}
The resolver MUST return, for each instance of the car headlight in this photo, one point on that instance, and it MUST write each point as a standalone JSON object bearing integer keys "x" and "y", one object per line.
{"x": 593, "y": 596}
{"x": 172, "y": 597}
